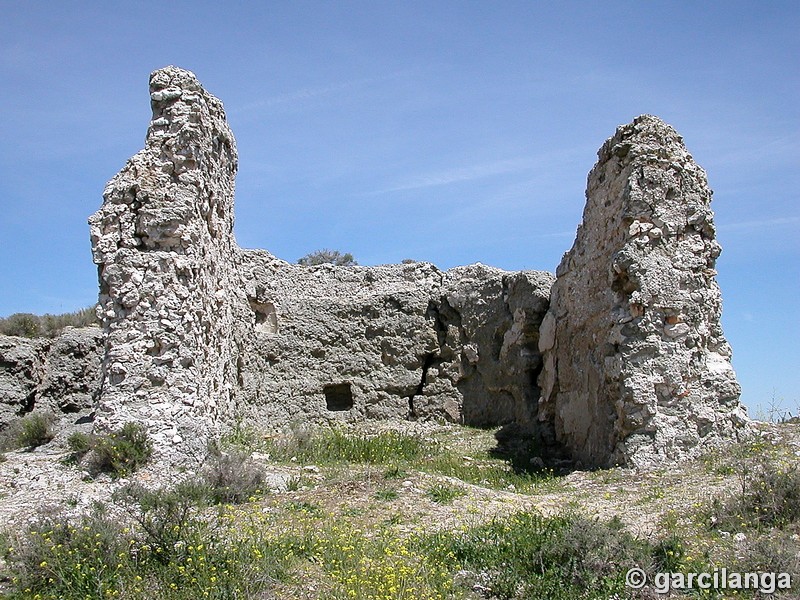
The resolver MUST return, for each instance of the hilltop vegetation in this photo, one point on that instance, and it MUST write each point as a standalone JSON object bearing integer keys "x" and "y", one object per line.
{"x": 33, "y": 326}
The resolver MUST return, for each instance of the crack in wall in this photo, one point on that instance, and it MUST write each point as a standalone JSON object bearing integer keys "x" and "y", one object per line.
{"x": 427, "y": 363}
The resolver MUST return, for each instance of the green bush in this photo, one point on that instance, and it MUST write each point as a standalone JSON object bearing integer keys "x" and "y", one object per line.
{"x": 36, "y": 430}
{"x": 31, "y": 431}
{"x": 334, "y": 257}
{"x": 122, "y": 452}
{"x": 80, "y": 442}
{"x": 31, "y": 326}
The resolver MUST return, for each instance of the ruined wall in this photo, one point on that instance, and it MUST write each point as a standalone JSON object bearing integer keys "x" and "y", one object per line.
{"x": 393, "y": 341}
{"x": 199, "y": 331}
{"x": 629, "y": 364}
{"x": 167, "y": 264}
{"x": 57, "y": 376}
{"x": 636, "y": 367}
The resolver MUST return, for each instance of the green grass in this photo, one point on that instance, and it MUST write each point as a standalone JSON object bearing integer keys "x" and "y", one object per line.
{"x": 330, "y": 446}
{"x": 400, "y": 453}
{"x": 386, "y": 495}
{"x": 444, "y": 493}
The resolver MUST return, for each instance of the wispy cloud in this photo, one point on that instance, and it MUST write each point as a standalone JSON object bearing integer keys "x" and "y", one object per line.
{"x": 759, "y": 224}
{"x": 542, "y": 163}
{"x": 777, "y": 150}
{"x": 303, "y": 95}
{"x": 460, "y": 174}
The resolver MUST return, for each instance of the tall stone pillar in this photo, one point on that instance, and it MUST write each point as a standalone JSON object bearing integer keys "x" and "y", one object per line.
{"x": 167, "y": 264}
{"x": 636, "y": 368}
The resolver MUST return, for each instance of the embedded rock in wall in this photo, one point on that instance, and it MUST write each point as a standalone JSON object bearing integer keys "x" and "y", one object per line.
{"x": 636, "y": 368}
{"x": 169, "y": 289}
{"x": 392, "y": 341}
{"x": 59, "y": 376}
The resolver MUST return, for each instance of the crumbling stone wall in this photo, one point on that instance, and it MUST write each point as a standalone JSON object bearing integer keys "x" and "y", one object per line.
{"x": 393, "y": 341}
{"x": 200, "y": 331}
{"x": 56, "y": 376}
{"x": 629, "y": 364}
{"x": 636, "y": 366}
{"x": 167, "y": 263}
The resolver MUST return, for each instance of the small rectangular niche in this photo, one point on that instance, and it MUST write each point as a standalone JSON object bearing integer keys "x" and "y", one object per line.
{"x": 338, "y": 396}
{"x": 266, "y": 317}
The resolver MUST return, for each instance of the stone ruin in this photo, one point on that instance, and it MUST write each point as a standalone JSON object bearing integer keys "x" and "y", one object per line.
{"x": 619, "y": 359}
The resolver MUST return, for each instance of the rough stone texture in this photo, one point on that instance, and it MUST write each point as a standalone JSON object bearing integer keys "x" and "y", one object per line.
{"x": 199, "y": 331}
{"x": 393, "y": 341}
{"x": 21, "y": 366}
{"x": 636, "y": 366}
{"x": 169, "y": 289}
{"x": 59, "y": 375}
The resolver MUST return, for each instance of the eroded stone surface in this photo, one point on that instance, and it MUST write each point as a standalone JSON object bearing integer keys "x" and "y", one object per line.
{"x": 199, "y": 331}
{"x": 636, "y": 366}
{"x": 59, "y": 376}
{"x": 169, "y": 288}
{"x": 395, "y": 341}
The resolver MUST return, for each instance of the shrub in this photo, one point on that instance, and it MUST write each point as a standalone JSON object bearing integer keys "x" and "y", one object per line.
{"x": 123, "y": 451}
{"x": 167, "y": 552}
{"x": 527, "y": 555}
{"x": 36, "y": 430}
{"x": 164, "y": 515}
{"x": 232, "y": 478}
{"x": 334, "y": 257}
{"x": 31, "y": 326}
{"x": 22, "y": 325}
{"x": 80, "y": 442}
{"x": 768, "y": 496}
{"x": 54, "y": 558}
{"x": 31, "y": 431}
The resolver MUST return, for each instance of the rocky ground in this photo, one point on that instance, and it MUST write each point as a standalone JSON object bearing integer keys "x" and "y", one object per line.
{"x": 377, "y": 496}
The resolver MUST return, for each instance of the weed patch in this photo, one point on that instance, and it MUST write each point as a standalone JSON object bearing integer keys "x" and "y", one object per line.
{"x": 31, "y": 431}
{"x": 444, "y": 493}
{"x": 121, "y": 452}
{"x": 768, "y": 496}
{"x": 531, "y": 556}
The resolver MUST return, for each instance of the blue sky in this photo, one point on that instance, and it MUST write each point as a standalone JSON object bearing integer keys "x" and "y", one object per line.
{"x": 452, "y": 132}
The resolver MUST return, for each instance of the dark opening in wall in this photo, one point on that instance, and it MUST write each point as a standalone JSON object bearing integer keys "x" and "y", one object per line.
{"x": 338, "y": 396}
